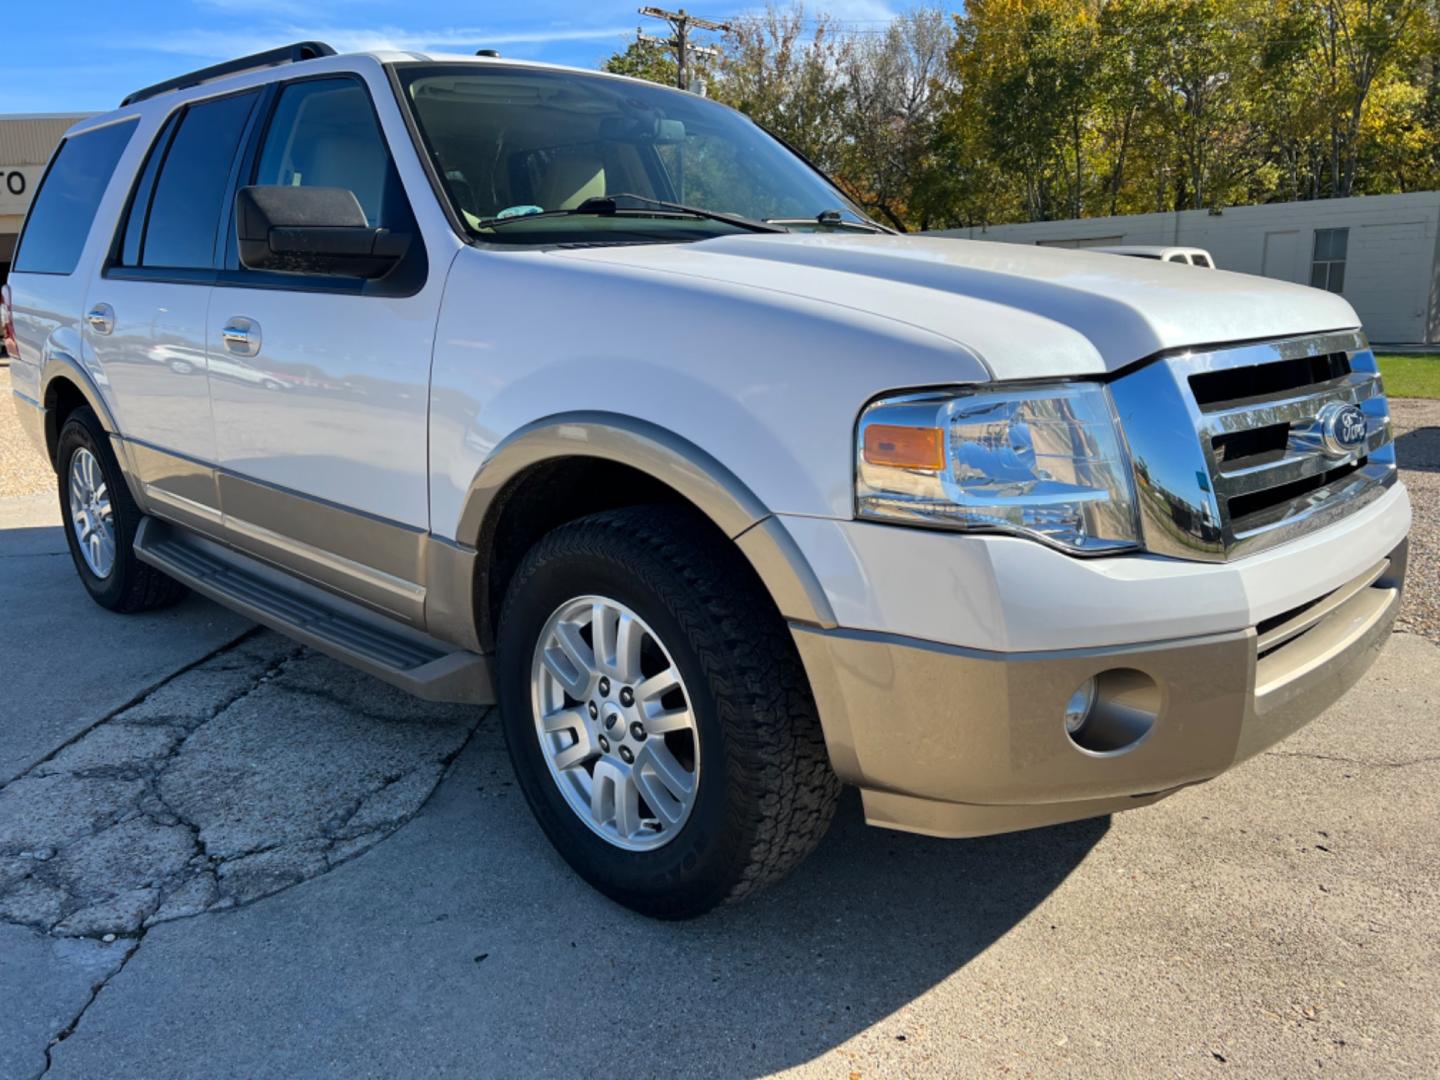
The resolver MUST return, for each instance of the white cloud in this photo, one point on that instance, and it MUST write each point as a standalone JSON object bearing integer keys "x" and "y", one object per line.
{"x": 857, "y": 12}
{"x": 852, "y": 14}
{"x": 218, "y": 43}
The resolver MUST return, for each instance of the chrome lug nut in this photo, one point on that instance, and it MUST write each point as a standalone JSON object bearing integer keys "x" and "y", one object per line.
{"x": 605, "y": 686}
{"x": 594, "y": 710}
{"x": 637, "y": 731}
{"x": 626, "y": 755}
{"x": 604, "y": 744}
{"x": 627, "y": 696}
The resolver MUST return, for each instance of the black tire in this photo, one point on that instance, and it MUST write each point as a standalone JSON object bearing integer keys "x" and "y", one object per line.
{"x": 130, "y": 586}
{"x": 767, "y": 792}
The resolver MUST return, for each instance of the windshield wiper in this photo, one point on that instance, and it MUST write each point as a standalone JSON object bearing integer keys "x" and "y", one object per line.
{"x": 627, "y": 203}
{"x": 831, "y": 219}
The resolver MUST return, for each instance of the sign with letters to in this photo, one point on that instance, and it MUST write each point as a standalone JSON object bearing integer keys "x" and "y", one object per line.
{"x": 17, "y": 187}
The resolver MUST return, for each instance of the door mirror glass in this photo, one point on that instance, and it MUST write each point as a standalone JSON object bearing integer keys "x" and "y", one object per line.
{"x": 312, "y": 230}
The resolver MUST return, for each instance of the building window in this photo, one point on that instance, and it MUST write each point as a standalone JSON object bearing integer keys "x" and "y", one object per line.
{"x": 1327, "y": 270}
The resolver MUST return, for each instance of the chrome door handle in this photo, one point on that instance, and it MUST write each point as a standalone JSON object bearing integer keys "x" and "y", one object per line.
{"x": 241, "y": 336}
{"x": 101, "y": 318}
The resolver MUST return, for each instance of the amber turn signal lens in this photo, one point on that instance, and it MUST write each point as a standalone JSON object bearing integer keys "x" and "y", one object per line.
{"x": 905, "y": 447}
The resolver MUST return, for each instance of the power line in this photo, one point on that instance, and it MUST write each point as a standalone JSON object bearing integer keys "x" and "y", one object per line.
{"x": 681, "y": 23}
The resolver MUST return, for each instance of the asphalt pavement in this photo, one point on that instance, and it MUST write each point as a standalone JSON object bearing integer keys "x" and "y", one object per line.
{"x": 221, "y": 854}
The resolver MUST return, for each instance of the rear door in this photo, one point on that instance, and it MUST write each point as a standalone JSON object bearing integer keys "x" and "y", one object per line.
{"x": 148, "y": 311}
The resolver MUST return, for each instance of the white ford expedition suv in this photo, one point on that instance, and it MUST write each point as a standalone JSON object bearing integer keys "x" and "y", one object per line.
{"x": 512, "y": 383}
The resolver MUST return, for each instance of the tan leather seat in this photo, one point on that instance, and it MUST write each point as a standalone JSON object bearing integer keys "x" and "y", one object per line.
{"x": 354, "y": 162}
{"x": 569, "y": 179}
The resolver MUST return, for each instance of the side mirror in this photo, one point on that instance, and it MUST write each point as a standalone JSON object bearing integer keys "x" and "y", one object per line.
{"x": 312, "y": 230}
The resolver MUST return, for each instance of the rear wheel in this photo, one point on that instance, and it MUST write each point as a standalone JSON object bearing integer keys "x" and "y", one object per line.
{"x": 100, "y": 521}
{"x": 657, "y": 714}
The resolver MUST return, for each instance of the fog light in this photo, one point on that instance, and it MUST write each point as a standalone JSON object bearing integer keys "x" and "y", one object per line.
{"x": 1113, "y": 712}
{"x": 1077, "y": 709}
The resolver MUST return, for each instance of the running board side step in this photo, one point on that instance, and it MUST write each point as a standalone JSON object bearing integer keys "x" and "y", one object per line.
{"x": 355, "y": 635}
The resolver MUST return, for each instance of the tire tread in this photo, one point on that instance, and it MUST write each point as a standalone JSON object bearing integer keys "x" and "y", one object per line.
{"x": 784, "y": 789}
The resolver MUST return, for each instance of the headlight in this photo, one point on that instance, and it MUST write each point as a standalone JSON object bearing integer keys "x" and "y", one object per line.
{"x": 1039, "y": 461}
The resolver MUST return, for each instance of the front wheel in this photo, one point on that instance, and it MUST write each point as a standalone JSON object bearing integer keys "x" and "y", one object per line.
{"x": 657, "y": 713}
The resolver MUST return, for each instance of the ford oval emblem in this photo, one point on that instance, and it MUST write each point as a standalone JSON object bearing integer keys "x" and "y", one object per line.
{"x": 1342, "y": 429}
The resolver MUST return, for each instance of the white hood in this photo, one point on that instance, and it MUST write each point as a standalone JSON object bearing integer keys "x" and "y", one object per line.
{"x": 1025, "y": 311}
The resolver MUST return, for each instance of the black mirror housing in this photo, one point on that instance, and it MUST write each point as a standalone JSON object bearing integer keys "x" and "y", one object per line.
{"x": 312, "y": 230}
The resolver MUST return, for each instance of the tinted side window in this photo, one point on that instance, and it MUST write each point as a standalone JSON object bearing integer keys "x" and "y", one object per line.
{"x": 64, "y": 207}
{"x": 323, "y": 134}
{"x": 140, "y": 201}
{"x": 190, "y": 192}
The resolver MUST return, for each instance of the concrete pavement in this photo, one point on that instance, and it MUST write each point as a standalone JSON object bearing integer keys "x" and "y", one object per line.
{"x": 91, "y": 669}
{"x": 304, "y": 872}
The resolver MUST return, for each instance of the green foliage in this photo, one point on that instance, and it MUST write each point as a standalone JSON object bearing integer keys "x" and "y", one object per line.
{"x": 644, "y": 60}
{"x": 1123, "y": 106}
{"x": 1019, "y": 110}
{"x": 1411, "y": 374}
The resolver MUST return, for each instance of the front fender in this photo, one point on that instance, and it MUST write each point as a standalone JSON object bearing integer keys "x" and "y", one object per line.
{"x": 675, "y": 462}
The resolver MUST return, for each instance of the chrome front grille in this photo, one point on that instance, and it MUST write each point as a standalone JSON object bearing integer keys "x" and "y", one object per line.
{"x": 1229, "y": 445}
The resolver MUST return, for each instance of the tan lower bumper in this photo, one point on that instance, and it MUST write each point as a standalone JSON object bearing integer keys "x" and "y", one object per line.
{"x": 957, "y": 742}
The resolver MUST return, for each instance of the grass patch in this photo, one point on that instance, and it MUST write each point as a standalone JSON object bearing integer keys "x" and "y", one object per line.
{"x": 1411, "y": 374}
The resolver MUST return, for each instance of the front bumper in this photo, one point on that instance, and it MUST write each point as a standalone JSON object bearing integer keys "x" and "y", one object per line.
{"x": 953, "y": 741}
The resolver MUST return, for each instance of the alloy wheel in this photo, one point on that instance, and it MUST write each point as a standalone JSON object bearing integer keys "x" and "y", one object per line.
{"x": 90, "y": 514}
{"x": 615, "y": 723}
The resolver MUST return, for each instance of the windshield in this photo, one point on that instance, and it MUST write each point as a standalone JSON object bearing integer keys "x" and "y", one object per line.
{"x": 514, "y": 142}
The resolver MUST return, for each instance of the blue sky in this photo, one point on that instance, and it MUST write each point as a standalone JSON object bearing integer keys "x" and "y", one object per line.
{"x": 68, "y": 55}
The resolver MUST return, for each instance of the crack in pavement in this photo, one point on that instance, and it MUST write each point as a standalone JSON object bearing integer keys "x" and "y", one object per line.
{"x": 69, "y": 1029}
{"x": 134, "y": 701}
{"x": 256, "y": 768}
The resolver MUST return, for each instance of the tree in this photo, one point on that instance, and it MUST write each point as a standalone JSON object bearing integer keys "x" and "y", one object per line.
{"x": 1028, "y": 69}
{"x": 1032, "y": 109}
{"x": 788, "y": 81}
{"x": 1364, "y": 38}
{"x": 644, "y": 60}
{"x": 896, "y": 86}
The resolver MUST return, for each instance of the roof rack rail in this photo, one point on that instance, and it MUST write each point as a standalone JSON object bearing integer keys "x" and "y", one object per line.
{"x": 286, "y": 54}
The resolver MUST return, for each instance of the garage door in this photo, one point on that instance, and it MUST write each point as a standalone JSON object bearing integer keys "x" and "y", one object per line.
{"x": 1387, "y": 279}
{"x": 1282, "y": 255}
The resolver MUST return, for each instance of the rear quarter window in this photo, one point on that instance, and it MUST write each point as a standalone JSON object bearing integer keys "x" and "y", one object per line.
{"x": 64, "y": 207}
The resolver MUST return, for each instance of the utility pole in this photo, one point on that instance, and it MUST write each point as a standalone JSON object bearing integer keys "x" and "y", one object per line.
{"x": 678, "y": 42}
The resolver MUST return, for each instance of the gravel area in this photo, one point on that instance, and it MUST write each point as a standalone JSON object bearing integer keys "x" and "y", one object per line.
{"x": 23, "y": 471}
{"x": 1417, "y": 435}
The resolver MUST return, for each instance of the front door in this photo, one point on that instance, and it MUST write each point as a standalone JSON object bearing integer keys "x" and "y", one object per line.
{"x": 320, "y": 384}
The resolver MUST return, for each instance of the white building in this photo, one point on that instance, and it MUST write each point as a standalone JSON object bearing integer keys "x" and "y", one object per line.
{"x": 26, "y": 143}
{"x": 1381, "y": 252}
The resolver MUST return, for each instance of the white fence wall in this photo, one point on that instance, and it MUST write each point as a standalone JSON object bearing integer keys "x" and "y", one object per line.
{"x": 1392, "y": 270}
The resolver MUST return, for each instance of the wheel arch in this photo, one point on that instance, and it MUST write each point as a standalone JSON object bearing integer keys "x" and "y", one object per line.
{"x": 513, "y": 500}
{"x": 64, "y": 386}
